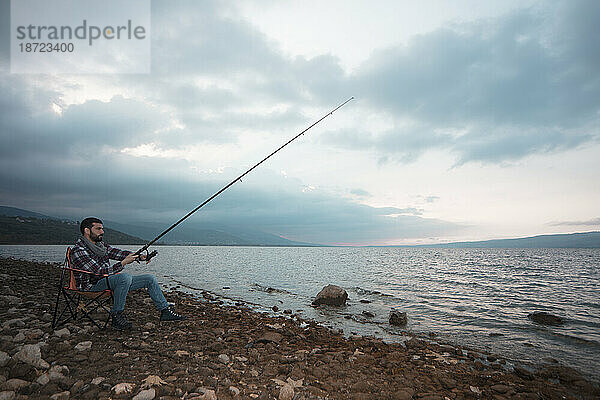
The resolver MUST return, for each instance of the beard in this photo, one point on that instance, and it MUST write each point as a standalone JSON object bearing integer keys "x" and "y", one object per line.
{"x": 95, "y": 238}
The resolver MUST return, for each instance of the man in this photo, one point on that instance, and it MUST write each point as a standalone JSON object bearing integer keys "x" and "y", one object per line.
{"x": 91, "y": 254}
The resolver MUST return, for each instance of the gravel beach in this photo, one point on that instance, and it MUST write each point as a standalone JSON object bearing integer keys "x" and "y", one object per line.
{"x": 233, "y": 352}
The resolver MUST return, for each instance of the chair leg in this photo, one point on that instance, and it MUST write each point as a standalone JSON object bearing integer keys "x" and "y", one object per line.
{"x": 69, "y": 300}
{"x": 60, "y": 289}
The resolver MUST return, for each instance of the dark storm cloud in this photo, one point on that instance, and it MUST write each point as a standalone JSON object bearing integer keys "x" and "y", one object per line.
{"x": 525, "y": 83}
{"x": 521, "y": 84}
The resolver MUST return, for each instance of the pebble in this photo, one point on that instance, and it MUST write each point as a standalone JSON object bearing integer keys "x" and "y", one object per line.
{"x": 17, "y": 322}
{"x": 83, "y": 346}
{"x": 61, "y": 396}
{"x": 15, "y": 384}
{"x": 98, "y": 380}
{"x": 19, "y": 337}
{"x": 286, "y": 392}
{"x": 7, "y": 395}
{"x": 123, "y": 387}
{"x": 500, "y": 388}
{"x": 224, "y": 358}
{"x": 147, "y": 394}
{"x": 62, "y": 333}
{"x": 4, "y": 358}
{"x": 43, "y": 379}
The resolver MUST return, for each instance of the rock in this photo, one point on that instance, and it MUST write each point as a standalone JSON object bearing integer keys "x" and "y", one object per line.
{"x": 368, "y": 314}
{"x": 7, "y": 395}
{"x": 12, "y": 300}
{"x": 272, "y": 337}
{"x": 403, "y": 395}
{"x": 224, "y": 358}
{"x": 34, "y": 334}
{"x": 500, "y": 388}
{"x": 61, "y": 333}
{"x": 123, "y": 387}
{"x": 17, "y": 322}
{"x": 43, "y": 379}
{"x": 153, "y": 380}
{"x": 61, "y": 396}
{"x": 15, "y": 384}
{"x": 275, "y": 308}
{"x": 523, "y": 373}
{"x": 398, "y": 318}
{"x": 4, "y": 358}
{"x": 207, "y": 394}
{"x": 121, "y": 355}
{"x": 19, "y": 337}
{"x": 331, "y": 295}
{"x": 46, "y": 317}
{"x": 287, "y": 311}
{"x": 83, "y": 346}
{"x": 147, "y": 394}
{"x": 544, "y": 318}
{"x": 286, "y": 392}
{"x": 234, "y": 391}
{"x": 76, "y": 386}
{"x": 98, "y": 380}
{"x": 365, "y": 301}
{"x": 448, "y": 383}
{"x": 31, "y": 354}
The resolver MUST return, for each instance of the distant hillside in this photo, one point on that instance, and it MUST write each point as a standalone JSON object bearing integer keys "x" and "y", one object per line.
{"x": 569, "y": 240}
{"x": 29, "y": 230}
{"x": 18, "y": 212}
{"x": 205, "y": 235}
{"x": 186, "y": 234}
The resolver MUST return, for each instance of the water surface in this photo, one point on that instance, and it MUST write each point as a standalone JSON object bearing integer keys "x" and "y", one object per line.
{"x": 475, "y": 297}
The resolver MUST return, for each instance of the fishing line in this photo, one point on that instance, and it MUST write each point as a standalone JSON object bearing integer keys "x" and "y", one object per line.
{"x": 239, "y": 178}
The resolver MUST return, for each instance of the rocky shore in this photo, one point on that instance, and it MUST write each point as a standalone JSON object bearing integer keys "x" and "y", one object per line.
{"x": 233, "y": 352}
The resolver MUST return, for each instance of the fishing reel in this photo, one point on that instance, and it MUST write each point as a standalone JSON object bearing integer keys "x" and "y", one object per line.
{"x": 148, "y": 256}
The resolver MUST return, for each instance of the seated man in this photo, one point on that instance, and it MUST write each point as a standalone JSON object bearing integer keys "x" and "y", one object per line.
{"x": 90, "y": 253}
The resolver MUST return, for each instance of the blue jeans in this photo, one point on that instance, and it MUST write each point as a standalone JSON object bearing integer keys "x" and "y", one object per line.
{"x": 122, "y": 283}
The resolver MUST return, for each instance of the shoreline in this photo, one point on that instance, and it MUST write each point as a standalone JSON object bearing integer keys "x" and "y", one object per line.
{"x": 239, "y": 353}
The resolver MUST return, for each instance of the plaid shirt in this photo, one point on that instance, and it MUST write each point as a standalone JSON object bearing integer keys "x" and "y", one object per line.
{"x": 86, "y": 260}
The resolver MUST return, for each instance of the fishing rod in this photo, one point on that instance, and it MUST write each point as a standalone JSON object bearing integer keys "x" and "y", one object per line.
{"x": 239, "y": 178}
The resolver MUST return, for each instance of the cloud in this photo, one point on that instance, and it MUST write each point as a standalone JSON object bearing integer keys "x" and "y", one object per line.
{"x": 360, "y": 192}
{"x": 524, "y": 83}
{"x": 494, "y": 91}
{"x": 590, "y": 222}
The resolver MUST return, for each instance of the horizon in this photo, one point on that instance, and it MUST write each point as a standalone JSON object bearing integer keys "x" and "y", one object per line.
{"x": 304, "y": 244}
{"x": 472, "y": 121}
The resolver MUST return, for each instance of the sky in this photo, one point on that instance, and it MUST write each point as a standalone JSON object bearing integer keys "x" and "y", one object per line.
{"x": 471, "y": 120}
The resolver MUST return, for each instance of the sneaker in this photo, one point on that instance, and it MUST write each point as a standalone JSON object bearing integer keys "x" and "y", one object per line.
{"x": 169, "y": 315}
{"x": 119, "y": 322}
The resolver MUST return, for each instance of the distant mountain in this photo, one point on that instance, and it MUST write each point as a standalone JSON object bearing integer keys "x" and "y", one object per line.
{"x": 568, "y": 240}
{"x": 211, "y": 235}
{"x": 18, "y": 212}
{"x": 30, "y": 230}
{"x": 185, "y": 234}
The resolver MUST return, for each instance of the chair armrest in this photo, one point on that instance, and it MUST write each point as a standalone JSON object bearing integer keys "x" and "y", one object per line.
{"x": 86, "y": 272}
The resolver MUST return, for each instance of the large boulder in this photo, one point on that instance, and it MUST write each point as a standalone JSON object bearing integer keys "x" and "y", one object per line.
{"x": 331, "y": 295}
{"x": 31, "y": 354}
{"x": 398, "y": 318}
{"x": 544, "y": 318}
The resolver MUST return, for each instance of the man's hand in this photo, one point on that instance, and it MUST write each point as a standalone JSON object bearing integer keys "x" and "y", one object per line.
{"x": 129, "y": 259}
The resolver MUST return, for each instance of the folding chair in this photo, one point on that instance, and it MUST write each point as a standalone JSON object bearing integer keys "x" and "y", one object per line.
{"x": 78, "y": 303}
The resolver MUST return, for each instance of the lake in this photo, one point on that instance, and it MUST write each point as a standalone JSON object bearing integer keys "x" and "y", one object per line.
{"x": 475, "y": 297}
